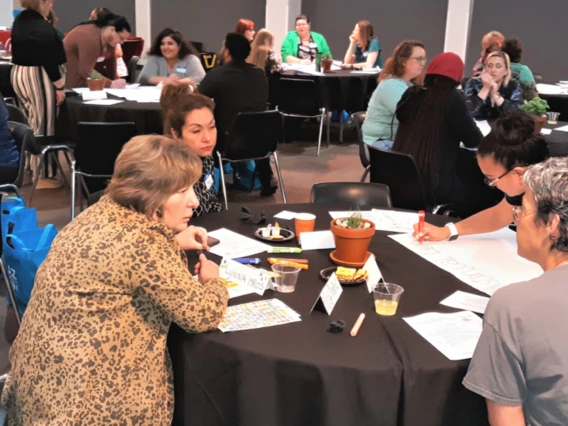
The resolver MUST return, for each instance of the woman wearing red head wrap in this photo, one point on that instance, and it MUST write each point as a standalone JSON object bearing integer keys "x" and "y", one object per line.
{"x": 433, "y": 120}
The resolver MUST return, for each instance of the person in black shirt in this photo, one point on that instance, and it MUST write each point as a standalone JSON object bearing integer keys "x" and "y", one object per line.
{"x": 433, "y": 120}
{"x": 503, "y": 157}
{"x": 238, "y": 87}
{"x": 38, "y": 75}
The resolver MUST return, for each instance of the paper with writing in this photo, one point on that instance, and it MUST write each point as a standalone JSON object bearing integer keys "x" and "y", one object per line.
{"x": 264, "y": 313}
{"x": 233, "y": 245}
{"x": 317, "y": 240}
{"x": 486, "y": 262}
{"x": 243, "y": 275}
{"x": 365, "y": 214}
{"x": 329, "y": 295}
{"x": 466, "y": 301}
{"x": 286, "y": 215}
{"x": 390, "y": 220}
{"x": 455, "y": 335}
{"x": 373, "y": 273}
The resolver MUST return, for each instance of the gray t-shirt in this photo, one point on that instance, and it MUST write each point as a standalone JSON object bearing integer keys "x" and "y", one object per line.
{"x": 522, "y": 355}
{"x": 157, "y": 66}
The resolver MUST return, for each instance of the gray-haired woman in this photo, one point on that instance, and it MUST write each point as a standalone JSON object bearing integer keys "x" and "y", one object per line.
{"x": 520, "y": 364}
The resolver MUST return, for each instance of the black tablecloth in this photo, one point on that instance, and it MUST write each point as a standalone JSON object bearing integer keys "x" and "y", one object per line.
{"x": 299, "y": 374}
{"x": 339, "y": 90}
{"x": 557, "y": 141}
{"x": 557, "y": 103}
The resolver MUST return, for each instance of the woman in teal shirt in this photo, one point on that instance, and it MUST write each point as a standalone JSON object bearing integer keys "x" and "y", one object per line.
{"x": 403, "y": 69}
{"x": 302, "y": 46}
{"x": 364, "y": 49}
{"x": 514, "y": 48}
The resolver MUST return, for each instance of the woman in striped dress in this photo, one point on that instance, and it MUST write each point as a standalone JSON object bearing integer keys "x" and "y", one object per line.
{"x": 38, "y": 75}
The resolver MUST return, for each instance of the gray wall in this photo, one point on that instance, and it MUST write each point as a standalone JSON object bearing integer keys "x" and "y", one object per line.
{"x": 72, "y": 12}
{"x": 206, "y": 21}
{"x": 393, "y": 21}
{"x": 541, "y": 25}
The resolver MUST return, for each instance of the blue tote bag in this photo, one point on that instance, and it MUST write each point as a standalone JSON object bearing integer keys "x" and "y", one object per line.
{"x": 24, "y": 251}
{"x": 16, "y": 216}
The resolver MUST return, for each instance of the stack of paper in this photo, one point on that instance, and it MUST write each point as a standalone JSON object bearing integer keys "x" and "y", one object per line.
{"x": 264, "y": 313}
{"x": 551, "y": 89}
{"x": 233, "y": 245}
{"x": 455, "y": 335}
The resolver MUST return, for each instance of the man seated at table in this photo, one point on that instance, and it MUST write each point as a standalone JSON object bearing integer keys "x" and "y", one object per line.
{"x": 520, "y": 364}
{"x": 238, "y": 87}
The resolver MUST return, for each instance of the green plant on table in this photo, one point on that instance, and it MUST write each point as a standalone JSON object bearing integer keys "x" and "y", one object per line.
{"x": 326, "y": 57}
{"x": 536, "y": 106}
{"x": 95, "y": 75}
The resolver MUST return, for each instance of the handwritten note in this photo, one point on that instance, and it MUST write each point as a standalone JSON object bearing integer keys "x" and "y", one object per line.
{"x": 329, "y": 295}
{"x": 486, "y": 262}
{"x": 390, "y": 220}
{"x": 374, "y": 274}
{"x": 243, "y": 275}
{"x": 455, "y": 335}
{"x": 466, "y": 301}
{"x": 233, "y": 245}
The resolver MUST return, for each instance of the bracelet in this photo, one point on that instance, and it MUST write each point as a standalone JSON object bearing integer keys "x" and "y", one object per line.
{"x": 60, "y": 89}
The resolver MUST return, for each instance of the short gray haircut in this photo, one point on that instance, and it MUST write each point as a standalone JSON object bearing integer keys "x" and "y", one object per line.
{"x": 549, "y": 182}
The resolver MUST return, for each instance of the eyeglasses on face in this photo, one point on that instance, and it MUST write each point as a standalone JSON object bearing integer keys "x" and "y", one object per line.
{"x": 419, "y": 59}
{"x": 493, "y": 182}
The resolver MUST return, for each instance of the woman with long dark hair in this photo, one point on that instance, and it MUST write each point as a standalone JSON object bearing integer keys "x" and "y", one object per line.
{"x": 433, "y": 120}
{"x": 172, "y": 59}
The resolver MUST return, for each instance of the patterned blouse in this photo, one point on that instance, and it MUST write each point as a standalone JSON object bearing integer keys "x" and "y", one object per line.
{"x": 308, "y": 51}
{"x": 271, "y": 65}
{"x": 485, "y": 109}
{"x": 208, "y": 201}
{"x": 92, "y": 345}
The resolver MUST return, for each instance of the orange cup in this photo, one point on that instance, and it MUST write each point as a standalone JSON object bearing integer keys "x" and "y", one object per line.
{"x": 305, "y": 222}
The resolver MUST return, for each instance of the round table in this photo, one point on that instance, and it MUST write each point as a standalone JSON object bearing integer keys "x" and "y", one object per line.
{"x": 339, "y": 90}
{"x": 557, "y": 103}
{"x": 557, "y": 141}
{"x": 300, "y": 374}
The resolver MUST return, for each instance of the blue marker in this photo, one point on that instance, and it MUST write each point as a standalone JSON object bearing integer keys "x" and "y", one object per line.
{"x": 249, "y": 260}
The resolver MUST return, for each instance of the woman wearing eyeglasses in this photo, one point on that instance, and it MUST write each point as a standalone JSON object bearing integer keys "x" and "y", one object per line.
{"x": 302, "y": 46}
{"x": 521, "y": 359}
{"x": 503, "y": 157}
{"x": 494, "y": 92}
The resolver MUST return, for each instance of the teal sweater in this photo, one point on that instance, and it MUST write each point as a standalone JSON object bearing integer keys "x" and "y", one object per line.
{"x": 290, "y": 44}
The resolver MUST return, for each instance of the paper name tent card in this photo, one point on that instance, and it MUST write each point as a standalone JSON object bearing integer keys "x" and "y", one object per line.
{"x": 329, "y": 296}
{"x": 374, "y": 275}
{"x": 243, "y": 279}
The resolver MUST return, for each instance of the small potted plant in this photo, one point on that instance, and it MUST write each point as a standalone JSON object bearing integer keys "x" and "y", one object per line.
{"x": 95, "y": 81}
{"x": 352, "y": 237}
{"x": 537, "y": 107}
{"x": 326, "y": 62}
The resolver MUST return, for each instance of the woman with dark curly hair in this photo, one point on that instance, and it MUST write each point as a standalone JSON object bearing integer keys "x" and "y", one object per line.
{"x": 514, "y": 48}
{"x": 402, "y": 70}
{"x": 172, "y": 60}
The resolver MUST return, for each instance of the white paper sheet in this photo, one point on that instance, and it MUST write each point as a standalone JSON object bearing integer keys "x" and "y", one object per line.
{"x": 318, "y": 240}
{"x": 389, "y": 220}
{"x": 546, "y": 131}
{"x": 92, "y": 95}
{"x": 562, "y": 129}
{"x": 484, "y": 127}
{"x": 466, "y": 301}
{"x": 551, "y": 89}
{"x": 233, "y": 245}
{"x": 486, "y": 262}
{"x": 366, "y": 214}
{"x": 455, "y": 335}
{"x": 104, "y": 102}
{"x": 138, "y": 94}
{"x": 367, "y": 71}
{"x": 286, "y": 215}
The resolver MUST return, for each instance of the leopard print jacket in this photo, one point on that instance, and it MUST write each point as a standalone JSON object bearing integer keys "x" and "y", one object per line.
{"x": 92, "y": 345}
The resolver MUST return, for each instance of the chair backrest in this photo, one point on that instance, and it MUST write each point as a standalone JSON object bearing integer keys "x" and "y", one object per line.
{"x": 23, "y": 136}
{"x": 358, "y": 120}
{"x": 132, "y": 69}
{"x": 132, "y": 47}
{"x": 16, "y": 114}
{"x": 208, "y": 60}
{"x": 400, "y": 173}
{"x": 254, "y": 135}
{"x": 298, "y": 96}
{"x": 352, "y": 194}
{"x": 198, "y": 45}
{"x": 538, "y": 77}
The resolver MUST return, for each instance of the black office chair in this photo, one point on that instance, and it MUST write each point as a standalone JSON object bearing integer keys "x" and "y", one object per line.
{"x": 98, "y": 146}
{"x": 23, "y": 136}
{"x": 300, "y": 98}
{"x": 208, "y": 60}
{"x": 400, "y": 173}
{"x": 254, "y": 136}
{"x": 133, "y": 69}
{"x": 43, "y": 147}
{"x": 358, "y": 120}
{"x": 355, "y": 194}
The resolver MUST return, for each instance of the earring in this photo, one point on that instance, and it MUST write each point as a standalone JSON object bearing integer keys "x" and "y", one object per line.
{"x": 552, "y": 240}
{"x": 159, "y": 213}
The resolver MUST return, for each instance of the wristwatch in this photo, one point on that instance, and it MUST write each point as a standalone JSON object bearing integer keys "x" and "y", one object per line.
{"x": 453, "y": 231}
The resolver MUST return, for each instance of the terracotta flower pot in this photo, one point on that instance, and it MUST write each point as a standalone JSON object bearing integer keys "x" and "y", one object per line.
{"x": 539, "y": 122}
{"x": 94, "y": 85}
{"x": 326, "y": 65}
{"x": 351, "y": 244}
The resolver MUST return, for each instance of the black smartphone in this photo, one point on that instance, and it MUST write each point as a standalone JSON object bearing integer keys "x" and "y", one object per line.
{"x": 212, "y": 241}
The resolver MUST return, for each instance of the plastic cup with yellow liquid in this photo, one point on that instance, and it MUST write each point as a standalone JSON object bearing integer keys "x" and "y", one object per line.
{"x": 387, "y": 296}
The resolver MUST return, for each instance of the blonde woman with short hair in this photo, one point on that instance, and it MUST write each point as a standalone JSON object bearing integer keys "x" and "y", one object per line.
{"x": 493, "y": 93}
{"x": 92, "y": 345}
{"x": 262, "y": 54}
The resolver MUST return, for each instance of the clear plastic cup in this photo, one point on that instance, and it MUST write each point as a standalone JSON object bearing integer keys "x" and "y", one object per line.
{"x": 552, "y": 117}
{"x": 286, "y": 277}
{"x": 387, "y": 296}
